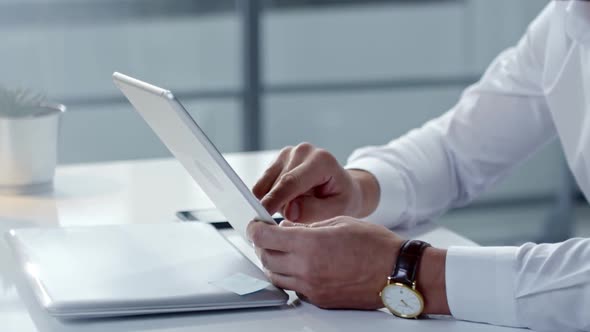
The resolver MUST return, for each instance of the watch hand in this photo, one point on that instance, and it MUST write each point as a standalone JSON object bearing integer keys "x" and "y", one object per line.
{"x": 404, "y": 302}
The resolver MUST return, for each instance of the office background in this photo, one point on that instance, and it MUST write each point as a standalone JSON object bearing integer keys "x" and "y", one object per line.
{"x": 264, "y": 74}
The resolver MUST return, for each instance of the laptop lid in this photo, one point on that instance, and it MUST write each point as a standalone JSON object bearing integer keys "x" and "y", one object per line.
{"x": 131, "y": 269}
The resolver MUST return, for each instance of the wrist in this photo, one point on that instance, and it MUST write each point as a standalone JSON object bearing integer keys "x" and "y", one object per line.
{"x": 432, "y": 281}
{"x": 366, "y": 192}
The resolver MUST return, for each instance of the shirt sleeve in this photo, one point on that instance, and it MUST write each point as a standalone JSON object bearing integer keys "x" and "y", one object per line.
{"x": 497, "y": 123}
{"x": 543, "y": 287}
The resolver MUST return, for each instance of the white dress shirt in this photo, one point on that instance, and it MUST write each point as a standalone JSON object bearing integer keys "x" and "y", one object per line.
{"x": 531, "y": 94}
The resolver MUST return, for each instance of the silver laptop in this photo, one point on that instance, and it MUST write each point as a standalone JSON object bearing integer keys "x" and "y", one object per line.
{"x": 132, "y": 269}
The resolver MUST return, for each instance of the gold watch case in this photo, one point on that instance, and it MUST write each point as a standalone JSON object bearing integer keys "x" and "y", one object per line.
{"x": 412, "y": 289}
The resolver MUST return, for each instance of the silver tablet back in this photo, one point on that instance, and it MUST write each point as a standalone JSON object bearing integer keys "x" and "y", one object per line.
{"x": 189, "y": 144}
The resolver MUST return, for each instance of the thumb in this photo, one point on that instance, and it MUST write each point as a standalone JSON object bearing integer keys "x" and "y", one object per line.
{"x": 308, "y": 209}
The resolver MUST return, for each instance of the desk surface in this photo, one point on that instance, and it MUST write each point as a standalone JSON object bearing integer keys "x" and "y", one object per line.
{"x": 152, "y": 191}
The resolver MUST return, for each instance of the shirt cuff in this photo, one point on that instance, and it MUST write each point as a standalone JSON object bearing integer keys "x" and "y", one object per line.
{"x": 393, "y": 197}
{"x": 480, "y": 284}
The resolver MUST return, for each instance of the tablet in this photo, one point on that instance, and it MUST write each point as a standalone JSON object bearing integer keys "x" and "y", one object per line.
{"x": 188, "y": 143}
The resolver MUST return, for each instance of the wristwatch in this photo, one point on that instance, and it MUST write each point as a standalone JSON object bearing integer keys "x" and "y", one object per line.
{"x": 400, "y": 295}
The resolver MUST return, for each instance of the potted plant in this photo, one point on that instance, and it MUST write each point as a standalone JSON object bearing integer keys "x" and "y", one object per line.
{"x": 29, "y": 128}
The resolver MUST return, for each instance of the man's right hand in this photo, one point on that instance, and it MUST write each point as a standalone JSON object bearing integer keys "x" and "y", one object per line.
{"x": 308, "y": 184}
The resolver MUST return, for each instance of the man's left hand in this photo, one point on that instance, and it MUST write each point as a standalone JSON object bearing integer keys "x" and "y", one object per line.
{"x": 337, "y": 263}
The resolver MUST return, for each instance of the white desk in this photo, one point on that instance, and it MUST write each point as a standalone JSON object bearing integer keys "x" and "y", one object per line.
{"x": 149, "y": 192}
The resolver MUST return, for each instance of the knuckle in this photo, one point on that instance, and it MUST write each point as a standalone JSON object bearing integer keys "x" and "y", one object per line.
{"x": 270, "y": 198}
{"x": 304, "y": 147}
{"x": 289, "y": 179}
{"x": 271, "y": 195}
{"x": 285, "y": 151}
{"x": 325, "y": 155}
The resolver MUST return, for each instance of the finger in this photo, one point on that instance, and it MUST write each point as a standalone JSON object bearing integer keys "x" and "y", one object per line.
{"x": 283, "y": 281}
{"x": 295, "y": 160}
{"x": 306, "y": 209}
{"x": 290, "y": 158}
{"x": 298, "y": 155}
{"x": 272, "y": 237}
{"x": 278, "y": 262}
{"x": 268, "y": 179}
{"x": 293, "y": 184}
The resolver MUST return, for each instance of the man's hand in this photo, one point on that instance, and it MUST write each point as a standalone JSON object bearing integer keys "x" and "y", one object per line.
{"x": 338, "y": 263}
{"x": 342, "y": 262}
{"x": 308, "y": 184}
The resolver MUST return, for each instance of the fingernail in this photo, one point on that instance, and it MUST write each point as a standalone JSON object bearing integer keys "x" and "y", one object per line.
{"x": 294, "y": 211}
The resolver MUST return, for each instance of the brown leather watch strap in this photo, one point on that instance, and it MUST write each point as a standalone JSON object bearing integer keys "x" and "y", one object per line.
{"x": 408, "y": 262}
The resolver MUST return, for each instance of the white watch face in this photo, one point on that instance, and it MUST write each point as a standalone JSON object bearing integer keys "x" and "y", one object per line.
{"x": 402, "y": 301}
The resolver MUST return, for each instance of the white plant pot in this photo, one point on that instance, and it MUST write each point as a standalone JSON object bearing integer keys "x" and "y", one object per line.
{"x": 28, "y": 151}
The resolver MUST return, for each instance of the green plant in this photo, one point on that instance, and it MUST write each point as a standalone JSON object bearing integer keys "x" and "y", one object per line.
{"x": 21, "y": 103}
